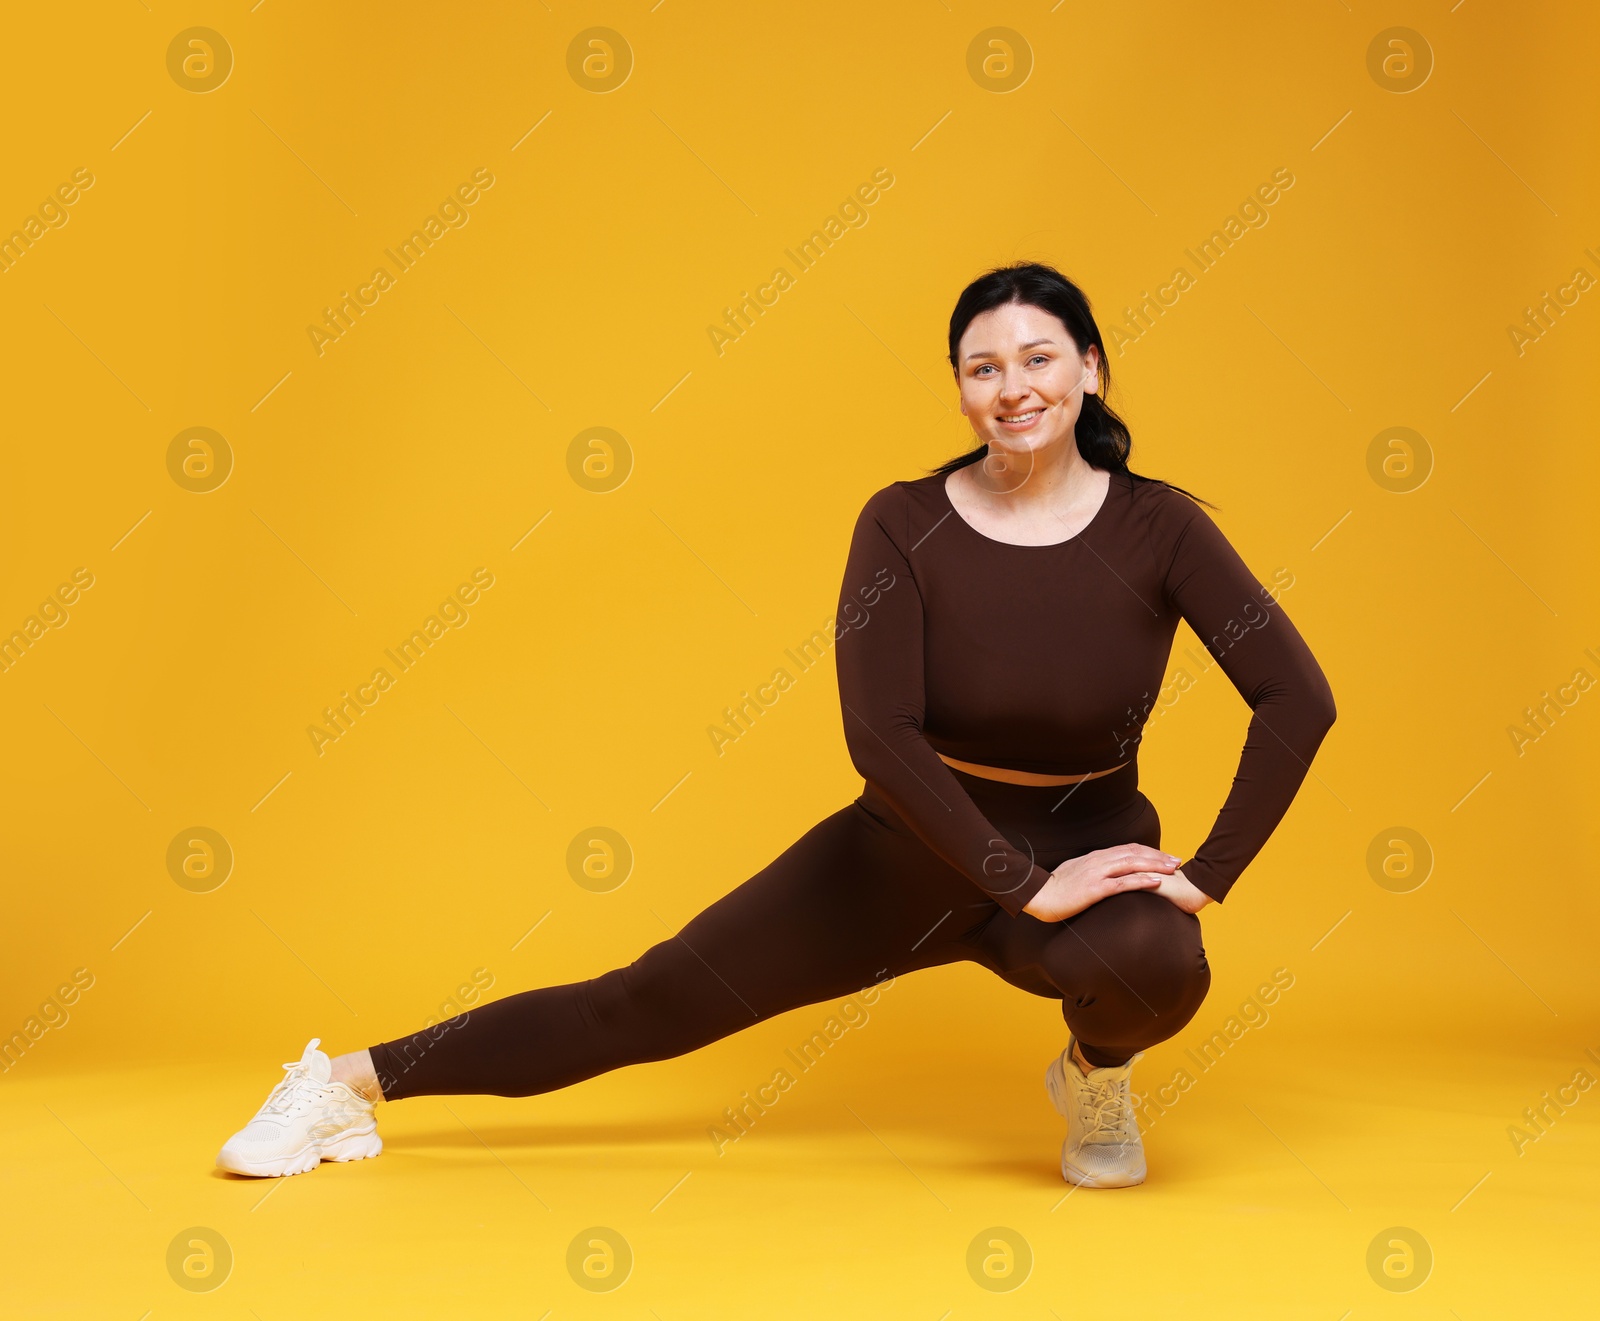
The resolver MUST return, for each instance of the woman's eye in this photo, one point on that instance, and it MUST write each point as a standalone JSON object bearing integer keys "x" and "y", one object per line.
{"x": 989, "y": 366}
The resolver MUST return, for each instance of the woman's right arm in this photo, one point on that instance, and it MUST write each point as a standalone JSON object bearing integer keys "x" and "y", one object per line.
{"x": 878, "y": 652}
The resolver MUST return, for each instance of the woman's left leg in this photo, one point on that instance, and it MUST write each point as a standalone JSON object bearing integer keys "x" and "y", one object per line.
{"x": 1130, "y": 971}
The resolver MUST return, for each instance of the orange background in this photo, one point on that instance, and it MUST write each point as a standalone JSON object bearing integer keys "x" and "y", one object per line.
{"x": 435, "y": 438}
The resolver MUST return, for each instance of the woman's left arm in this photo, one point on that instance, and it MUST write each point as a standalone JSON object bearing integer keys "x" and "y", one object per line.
{"x": 1249, "y": 635}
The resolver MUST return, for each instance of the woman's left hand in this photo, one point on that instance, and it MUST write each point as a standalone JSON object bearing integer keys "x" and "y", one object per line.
{"x": 1178, "y": 888}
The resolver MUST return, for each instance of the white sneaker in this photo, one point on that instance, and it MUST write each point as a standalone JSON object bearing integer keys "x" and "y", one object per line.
{"x": 306, "y": 1119}
{"x": 1103, "y": 1148}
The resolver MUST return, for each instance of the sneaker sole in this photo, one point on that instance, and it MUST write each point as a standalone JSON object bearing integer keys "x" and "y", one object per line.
{"x": 353, "y": 1144}
{"x": 1055, "y": 1083}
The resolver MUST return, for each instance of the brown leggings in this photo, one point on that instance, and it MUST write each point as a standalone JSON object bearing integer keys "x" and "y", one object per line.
{"x": 857, "y": 899}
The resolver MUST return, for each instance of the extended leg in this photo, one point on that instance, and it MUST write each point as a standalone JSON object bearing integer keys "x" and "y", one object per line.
{"x": 838, "y": 910}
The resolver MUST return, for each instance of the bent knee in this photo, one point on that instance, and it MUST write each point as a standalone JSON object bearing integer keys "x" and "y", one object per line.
{"x": 1141, "y": 941}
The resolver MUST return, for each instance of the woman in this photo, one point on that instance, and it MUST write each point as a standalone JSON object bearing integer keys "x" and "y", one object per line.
{"x": 1002, "y": 627}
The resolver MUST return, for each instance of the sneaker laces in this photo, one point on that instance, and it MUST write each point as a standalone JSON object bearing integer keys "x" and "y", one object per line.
{"x": 1103, "y": 1104}
{"x": 292, "y": 1091}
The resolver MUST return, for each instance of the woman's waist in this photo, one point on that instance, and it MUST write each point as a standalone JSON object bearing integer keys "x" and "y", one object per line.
{"x": 1037, "y": 749}
{"x": 1014, "y": 776}
{"x": 1064, "y": 809}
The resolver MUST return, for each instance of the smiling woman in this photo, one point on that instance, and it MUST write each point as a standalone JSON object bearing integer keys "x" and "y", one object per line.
{"x": 1037, "y": 585}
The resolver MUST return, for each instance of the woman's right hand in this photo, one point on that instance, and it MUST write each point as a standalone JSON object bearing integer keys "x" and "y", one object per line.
{"x": 1087, "y": 879}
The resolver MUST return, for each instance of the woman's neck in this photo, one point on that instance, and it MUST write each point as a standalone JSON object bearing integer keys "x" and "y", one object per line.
{"x": 1023, "y": 482}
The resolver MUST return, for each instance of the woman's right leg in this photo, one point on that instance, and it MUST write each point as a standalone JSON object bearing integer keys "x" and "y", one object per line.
{"x": 849, "y": 903}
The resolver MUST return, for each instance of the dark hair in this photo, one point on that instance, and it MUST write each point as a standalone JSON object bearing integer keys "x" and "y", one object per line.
{"x": 1104, "y": 440}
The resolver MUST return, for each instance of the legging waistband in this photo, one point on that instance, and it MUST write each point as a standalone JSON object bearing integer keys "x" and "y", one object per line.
{"x": 1061, "y": 819}
{"x": 1084, "y": 801}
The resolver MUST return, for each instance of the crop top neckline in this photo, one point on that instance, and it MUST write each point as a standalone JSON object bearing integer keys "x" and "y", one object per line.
{"x": 944, "y": 495}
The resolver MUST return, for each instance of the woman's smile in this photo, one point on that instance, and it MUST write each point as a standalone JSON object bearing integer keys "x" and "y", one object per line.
{"x": 1021, "y": 421}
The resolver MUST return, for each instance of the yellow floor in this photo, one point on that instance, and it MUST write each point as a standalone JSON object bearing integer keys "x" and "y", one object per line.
{"x": 859, "y": 1192}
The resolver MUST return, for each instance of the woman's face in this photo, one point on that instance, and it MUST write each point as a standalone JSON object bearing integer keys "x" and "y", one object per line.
{"x": 1022, "y": 378}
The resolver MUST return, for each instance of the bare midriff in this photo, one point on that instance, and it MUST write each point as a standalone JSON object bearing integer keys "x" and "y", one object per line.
{"x": 1021, "y": 777}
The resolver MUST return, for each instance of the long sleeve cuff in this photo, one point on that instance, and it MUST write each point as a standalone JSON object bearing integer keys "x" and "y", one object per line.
{"x": 1205, "y": 880}
{"x": 1019, "y": 899}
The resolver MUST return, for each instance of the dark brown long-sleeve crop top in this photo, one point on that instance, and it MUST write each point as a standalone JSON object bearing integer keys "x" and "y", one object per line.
{"x": 1049, "y": 659}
